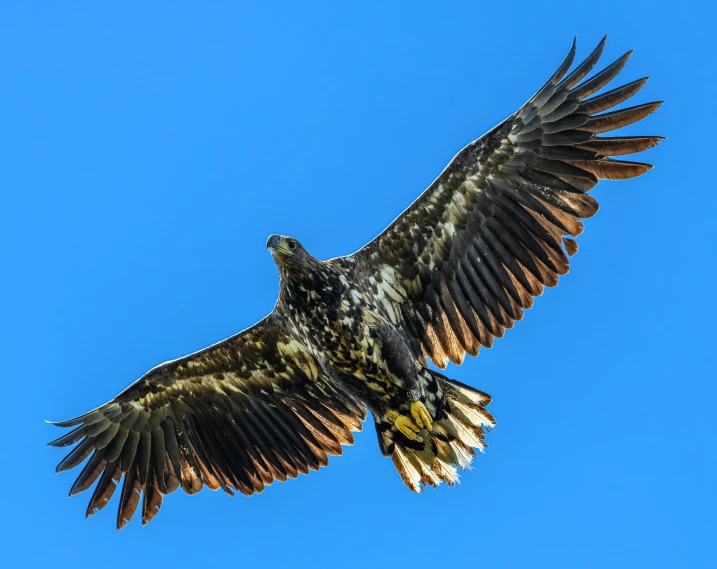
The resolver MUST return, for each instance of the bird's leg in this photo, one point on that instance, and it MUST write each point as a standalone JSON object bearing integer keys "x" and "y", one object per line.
{"x": 419, "y": 411}
{"x": 420, "y": 415}
{"x": 404, "y": 425}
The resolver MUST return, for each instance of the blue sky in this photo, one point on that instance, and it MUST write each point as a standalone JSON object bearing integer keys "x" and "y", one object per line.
{"x": 148, "y": 151}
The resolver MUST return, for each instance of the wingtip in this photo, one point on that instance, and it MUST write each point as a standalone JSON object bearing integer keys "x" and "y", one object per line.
{"x": 565, "y": 65}
{"x": 653, "y": 106}
{"x": 65, "y": 424}
{"x": 74, "y": 492}
{"x": 69, "y": 423}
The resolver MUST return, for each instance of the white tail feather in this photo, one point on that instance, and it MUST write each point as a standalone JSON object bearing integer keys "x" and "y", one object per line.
{"x": 463, "y": 434}
{"x": 408, "y": 472}
{"x": 476, "y": 415}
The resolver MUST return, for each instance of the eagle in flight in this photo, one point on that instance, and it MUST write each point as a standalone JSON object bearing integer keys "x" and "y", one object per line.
{"x": 450, "y": 274}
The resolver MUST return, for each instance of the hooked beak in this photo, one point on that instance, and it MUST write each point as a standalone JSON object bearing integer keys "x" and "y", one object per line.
{"x": 272, "y": 243}
{"x": 277, "y": 246}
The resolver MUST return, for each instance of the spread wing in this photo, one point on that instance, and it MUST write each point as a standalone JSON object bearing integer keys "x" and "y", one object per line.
{"x": 238, "y": 415}
{"x": 459, "y": 266}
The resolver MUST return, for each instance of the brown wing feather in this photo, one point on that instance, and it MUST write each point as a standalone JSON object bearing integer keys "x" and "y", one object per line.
{"x": 462, "y": 263}
{"x": 237, "y": 416}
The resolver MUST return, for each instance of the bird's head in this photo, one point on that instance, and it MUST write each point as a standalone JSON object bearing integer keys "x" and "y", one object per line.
{"x": 287, "y": 252}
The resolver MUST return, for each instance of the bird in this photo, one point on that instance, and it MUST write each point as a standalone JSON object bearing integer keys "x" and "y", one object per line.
{"x": 356, "y": 333}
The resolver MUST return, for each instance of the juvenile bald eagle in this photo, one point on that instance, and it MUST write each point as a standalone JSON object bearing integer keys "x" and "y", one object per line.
{"x": 450, "y": 274}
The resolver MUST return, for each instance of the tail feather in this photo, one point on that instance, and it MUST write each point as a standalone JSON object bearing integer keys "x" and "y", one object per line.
{"x": 460, "y": 424}
{"x": 409, "y": 474}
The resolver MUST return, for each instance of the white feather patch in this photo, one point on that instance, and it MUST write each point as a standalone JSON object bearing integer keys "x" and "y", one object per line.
{"x": 473, "y": 396}
{"x": 448, "y": 472}
{"x": 464, "y": 435}
{"x": 408, "y": 472}
{"x": 475, "y": 417}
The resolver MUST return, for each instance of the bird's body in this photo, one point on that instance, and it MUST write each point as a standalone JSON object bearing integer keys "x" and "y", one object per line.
{"x": 339, "y": 321}
{"x": 347, "y": 330}
{"x": 448, "y": 276}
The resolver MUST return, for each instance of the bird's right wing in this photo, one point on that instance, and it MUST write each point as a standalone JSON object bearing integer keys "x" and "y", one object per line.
{"x": 237, "y": 415}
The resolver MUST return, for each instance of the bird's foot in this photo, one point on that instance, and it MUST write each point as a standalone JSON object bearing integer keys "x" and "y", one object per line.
{"x": 405, "y": 426}
{"x": 421, "y": 415}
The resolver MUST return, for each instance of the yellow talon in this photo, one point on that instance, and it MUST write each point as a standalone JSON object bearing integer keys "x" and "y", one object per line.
{"x": 405, "y": 426}
{"x": 421, "y": 415}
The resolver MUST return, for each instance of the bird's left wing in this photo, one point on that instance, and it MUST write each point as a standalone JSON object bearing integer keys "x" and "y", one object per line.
{"x": 237, "y": 415}
{"x": 461, "y": 264}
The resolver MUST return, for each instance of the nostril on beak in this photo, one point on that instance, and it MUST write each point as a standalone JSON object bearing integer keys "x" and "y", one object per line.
{"x": 272, "y": 242}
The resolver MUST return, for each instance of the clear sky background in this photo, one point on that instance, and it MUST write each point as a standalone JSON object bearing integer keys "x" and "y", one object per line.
{"x": 149, "y": 150}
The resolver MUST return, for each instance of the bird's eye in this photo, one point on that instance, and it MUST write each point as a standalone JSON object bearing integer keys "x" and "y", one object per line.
{"x": 292, "y": 244}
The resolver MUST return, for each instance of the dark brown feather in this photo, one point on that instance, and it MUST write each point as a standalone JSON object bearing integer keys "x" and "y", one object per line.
{"x": 618, "y": 119}
{"x": 599, "y": 80}
{"x": 152, "y": 500}
{"x": 105, "y": 488}
{"x": 612, "y": 98}
{"x": 619, "y": 146}
{"x": 90, "y": 472}
{"x": 131, "y": 492}
{"x": 607, "y": 169}
{"x": 76, "y": 456}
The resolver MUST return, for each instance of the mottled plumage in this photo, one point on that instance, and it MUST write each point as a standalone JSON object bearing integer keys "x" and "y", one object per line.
{"x": 450, "y": 274}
